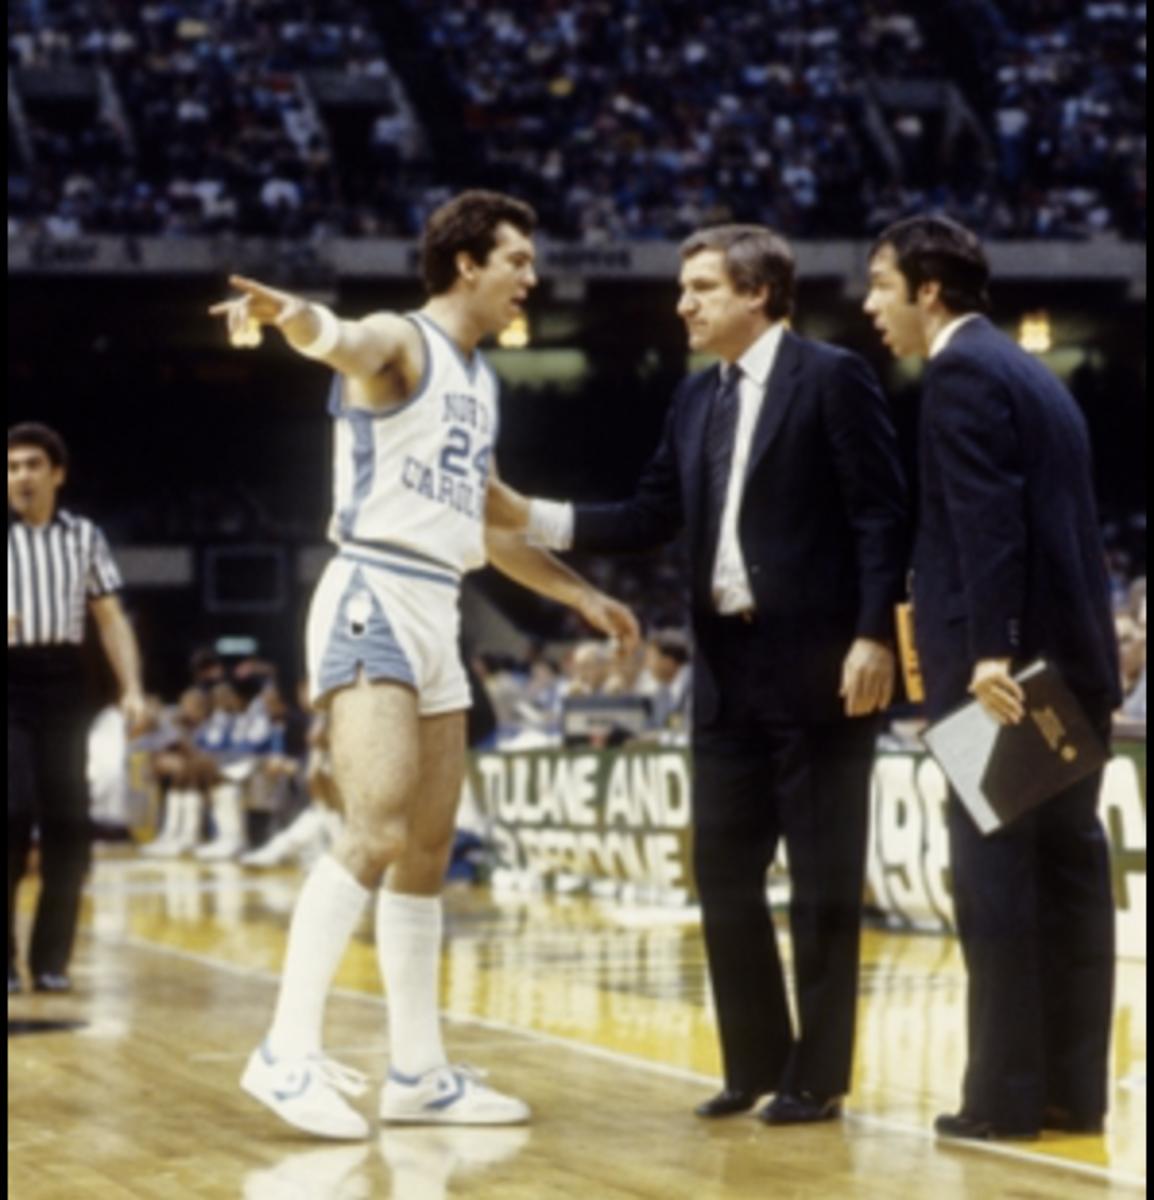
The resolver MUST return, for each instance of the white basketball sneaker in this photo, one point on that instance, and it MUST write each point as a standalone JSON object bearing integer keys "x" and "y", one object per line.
{"x": 219, "y": 850}
{"x": 269, "y": 855}
{"x": 448, "y": 1096}
{"x": 307, "y": 1092}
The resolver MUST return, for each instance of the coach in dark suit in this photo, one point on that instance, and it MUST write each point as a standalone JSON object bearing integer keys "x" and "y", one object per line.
{"x": 1009, "y": 566}
{"x": 782, "y": 467}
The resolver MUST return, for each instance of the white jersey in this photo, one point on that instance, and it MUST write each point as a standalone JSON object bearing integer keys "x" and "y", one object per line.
{"x": 409, "y": 482}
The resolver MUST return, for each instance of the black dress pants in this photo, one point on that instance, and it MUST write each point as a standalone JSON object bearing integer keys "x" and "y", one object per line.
{"x": 1035, "y": 913}
{"x": 48, "y": 721}
{"x": 754, "y": 785}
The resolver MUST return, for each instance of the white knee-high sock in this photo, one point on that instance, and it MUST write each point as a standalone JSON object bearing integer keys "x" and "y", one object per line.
{"x": 167, "y": 837}
{"x": 228, "y": 814}
{"x": 171, "y": 826}
{"x": 409, "y": 952}
{"x": 326, "y": 915}
{"x": 190, "y": 816}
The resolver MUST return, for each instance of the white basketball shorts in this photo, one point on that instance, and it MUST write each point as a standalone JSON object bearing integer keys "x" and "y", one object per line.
{"x": 396, "y": 621}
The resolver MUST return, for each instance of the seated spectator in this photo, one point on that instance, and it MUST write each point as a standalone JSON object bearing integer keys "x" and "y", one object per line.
{"x": 317, "y": 826}
{"x": 627, "y": 673}
{"x": 540, "y": 705}
{"x": 185, "y": 772}
{"x": 504, "y": 686}
{"x": 255, "y": 738}
{"x": 589, "y": 666}
{"x": 1130, "y": 626}
{"x": 1134, "y": 705}
{"x": 667, "y": 657}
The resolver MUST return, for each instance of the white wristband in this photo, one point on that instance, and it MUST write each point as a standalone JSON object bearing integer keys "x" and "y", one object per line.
{"x": 327, "y": 336}
{"x": 550, "y": 524}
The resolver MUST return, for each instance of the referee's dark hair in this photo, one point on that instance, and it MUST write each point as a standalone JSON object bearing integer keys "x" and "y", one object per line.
{"x": 30, "y": 433}
{"x": 933, "y": 249}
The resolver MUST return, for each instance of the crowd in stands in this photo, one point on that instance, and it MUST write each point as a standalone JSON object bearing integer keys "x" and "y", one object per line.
{"x": 638, "y": 120}
{"x": 1069, "y": 84}
{"x": 534, "y": 701}
{"x": 623, "y": 120}
{"x": 231, "y": 760}
{"x": 210, "y": 124}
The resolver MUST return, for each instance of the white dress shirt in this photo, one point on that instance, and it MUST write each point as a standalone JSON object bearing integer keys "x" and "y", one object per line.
{"x": 945, "y": 335}
{"x": 731, "y": 589}
{"x": 551, "y": 522}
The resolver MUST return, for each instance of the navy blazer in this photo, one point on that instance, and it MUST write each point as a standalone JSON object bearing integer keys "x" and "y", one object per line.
{"x": 823, "y": 522}
{"x": 1008, "y": 557}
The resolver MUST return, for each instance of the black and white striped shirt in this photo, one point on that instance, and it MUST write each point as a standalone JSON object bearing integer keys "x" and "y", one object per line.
{"x": 53, "y": 571}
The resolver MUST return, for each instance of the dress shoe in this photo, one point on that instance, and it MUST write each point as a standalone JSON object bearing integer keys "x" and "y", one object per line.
{"x": 975, "y": 1129}
{"x": 727, "y": 1102}
{"x": 52, "y": 981}
{"x": 1063, "y": 1120}
{"x": 800, "y": 1108}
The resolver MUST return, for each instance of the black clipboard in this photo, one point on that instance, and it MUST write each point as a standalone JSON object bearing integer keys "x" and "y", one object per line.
{"x": 1001, "y": 771}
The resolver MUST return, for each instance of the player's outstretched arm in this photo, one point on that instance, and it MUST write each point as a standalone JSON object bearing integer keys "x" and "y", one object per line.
{"x": 539, "y": 571}
{"x": 360, "y": 349}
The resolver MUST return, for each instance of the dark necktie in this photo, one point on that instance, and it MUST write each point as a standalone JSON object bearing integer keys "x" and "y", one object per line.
{"x": 720, "y": 431}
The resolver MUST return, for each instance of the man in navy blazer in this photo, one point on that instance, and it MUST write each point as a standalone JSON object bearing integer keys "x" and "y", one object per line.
{"x": 1009, "y": 566}
{"x": 782, "y": 467}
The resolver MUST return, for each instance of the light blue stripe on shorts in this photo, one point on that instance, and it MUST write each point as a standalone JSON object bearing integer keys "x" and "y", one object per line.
{"x": 361, "y": 637}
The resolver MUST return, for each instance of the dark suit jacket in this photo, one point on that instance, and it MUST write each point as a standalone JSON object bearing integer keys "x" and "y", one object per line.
{"x": 823, "y": 524}
{"x": 1008, "y": 560}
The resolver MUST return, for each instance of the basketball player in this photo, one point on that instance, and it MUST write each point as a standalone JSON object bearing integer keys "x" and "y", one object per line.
{"x": 415, "y": 412}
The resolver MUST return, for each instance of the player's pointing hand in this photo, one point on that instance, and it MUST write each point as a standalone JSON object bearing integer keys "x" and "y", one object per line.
{"x": 257, "y": 305}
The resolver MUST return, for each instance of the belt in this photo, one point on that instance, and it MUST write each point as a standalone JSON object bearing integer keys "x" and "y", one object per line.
{"x": 61, "y": 662}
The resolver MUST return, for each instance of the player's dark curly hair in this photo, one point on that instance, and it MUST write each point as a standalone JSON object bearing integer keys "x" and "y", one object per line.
{"x": 468, "y": 223}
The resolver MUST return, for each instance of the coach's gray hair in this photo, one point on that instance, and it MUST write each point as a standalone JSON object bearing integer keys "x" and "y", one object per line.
{"x": 755, "y": 257}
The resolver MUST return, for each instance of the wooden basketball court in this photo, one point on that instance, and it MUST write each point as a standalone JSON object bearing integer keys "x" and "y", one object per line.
{"x": 598, "y": 1015}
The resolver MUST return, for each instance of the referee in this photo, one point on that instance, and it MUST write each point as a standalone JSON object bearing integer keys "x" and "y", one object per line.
{"x": 58, "y": 565}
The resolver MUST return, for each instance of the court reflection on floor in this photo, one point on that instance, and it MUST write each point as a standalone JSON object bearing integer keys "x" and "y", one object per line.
{"x": 421, "y": 1162}
{"x": 623, "y": 980}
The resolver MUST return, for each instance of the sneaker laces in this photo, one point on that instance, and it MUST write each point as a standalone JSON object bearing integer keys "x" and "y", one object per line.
{"x": 473, "y": 1074}
{"x": 345, "y": 1079}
